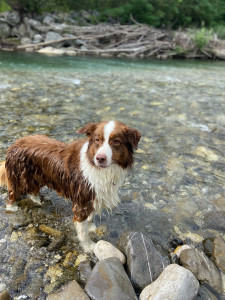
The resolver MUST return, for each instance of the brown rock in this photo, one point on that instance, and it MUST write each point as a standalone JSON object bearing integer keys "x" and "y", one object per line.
{"x": 219, "y": 252}
{"x": 71, "y": 291}
{"x": 4, "y": 295}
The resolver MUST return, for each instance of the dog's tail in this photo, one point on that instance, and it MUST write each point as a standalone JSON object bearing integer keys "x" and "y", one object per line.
{"x": 3, "y": 176}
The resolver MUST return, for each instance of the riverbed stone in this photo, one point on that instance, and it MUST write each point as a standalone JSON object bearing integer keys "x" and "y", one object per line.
{"x": 52, "y": 36}
{"x": 219, "y": 252}
{"x": 144, "y": 262}
{"x": 85, "y": 270}
{"x": 215, "y": 220}
{"x": 48, "y": 20}
{"x": 5, "y": 30}
{"x": 175, "y": 283}
{"x": 109, "y": 281}
{"x": 13, "y": 17}
{"x": 71, "y": 291}
{"x": 4, "y": 295}
{"x": 202, "y": 267}
{"x": 205, "y": 294}
{"x": 69, "y": 260}
{"x": 104, "y": 249}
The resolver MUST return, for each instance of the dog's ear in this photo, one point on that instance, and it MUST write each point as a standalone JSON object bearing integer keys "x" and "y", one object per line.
{"x": 133, "y": 136}
{"x": 88, "y": 129}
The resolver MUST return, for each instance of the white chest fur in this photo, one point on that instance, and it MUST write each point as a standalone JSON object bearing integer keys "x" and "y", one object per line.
{"x": 104, "y": 181}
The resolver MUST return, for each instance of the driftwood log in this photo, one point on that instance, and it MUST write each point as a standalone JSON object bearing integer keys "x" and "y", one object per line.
{"x": 136, "y": 40}
{"x": 127, "y": 40}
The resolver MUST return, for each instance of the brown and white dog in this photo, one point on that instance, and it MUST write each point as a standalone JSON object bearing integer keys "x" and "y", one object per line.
{"x": 88, "y": 171}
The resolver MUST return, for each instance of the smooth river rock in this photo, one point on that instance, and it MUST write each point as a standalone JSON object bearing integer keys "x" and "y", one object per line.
{"x": 202, "y": 267}
{"x": 104, "y": 249}
{"x": 219, "y": 252}
{"x": 109, "y": 281}
{"x": 144, "y": 262}
{"x": 71, "y": 291}
{"x": 175, "y": 283}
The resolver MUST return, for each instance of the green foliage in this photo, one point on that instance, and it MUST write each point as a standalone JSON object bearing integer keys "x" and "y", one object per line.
{"x": 202, "y": 37}
{"x": 4, "y": 6}
{"x": 171, "y": 13}
{"x": 180, "y": 50}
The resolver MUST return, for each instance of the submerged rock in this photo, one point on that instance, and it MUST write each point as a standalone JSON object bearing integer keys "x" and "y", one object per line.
{"x": 109, "y": 281}
{"x": 144, "y": 262}
{"x": 219, "y": 252}
{"x": 202, "y": 267}
{"x": 175, "y": 283}
{"x": 71, "y": 291}
{"x": 104, "y": 249}
{"x": 4, "y": 295}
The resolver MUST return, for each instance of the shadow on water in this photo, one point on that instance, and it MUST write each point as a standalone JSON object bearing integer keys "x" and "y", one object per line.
{"x": 176, "y": 188}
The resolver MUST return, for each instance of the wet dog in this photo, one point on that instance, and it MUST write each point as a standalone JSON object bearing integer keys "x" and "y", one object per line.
{"x": 87, "y": 171}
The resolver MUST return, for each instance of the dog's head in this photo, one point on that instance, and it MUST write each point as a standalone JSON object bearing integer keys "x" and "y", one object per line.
{"x": 110, "y": 143}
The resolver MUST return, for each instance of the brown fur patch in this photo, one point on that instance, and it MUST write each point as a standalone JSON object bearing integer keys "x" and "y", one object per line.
{"x": 36, "y": 161}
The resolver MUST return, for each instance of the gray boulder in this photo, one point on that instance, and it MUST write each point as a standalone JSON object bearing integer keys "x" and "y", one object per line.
{"x": 52, "y": 36}
{"x": 144, "y": 262}
{"x": 48, "y": 20}
{"x": 33, "y": 23}
{"x": 109, "y": 281}
{"x": 38, "y": 38}
{"x": 202, "y": 267}
{"x": 5, "y": 31}
{"x": 175, "y": 283}
{"x": 13, "y": 17}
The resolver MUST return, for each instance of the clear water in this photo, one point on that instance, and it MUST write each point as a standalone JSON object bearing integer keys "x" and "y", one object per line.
{"x": 176, "y": 188}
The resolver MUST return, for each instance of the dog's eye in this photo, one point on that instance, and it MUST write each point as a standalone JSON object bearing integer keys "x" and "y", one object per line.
{"x": 116, "y": 142}
{"x": 97, "y": 140}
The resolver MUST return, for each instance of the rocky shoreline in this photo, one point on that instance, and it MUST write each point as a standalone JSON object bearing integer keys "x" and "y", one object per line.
{"x": 137, "y": 268}
{"x": 74, "y": 34}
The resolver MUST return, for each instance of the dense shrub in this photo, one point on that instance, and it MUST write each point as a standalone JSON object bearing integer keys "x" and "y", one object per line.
{"x": 170, "y": 13}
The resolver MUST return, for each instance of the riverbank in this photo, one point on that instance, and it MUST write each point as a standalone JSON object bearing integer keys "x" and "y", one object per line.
{"x": 61, "y": 35}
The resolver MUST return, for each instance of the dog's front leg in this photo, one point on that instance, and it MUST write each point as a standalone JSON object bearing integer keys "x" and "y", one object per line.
{"x": 83, "y": 235}
{"x": 91, "y": 225}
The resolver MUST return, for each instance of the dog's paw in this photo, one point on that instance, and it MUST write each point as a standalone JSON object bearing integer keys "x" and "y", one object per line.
{"x": 11, "y": 207}
{"x": 87, "y": 246}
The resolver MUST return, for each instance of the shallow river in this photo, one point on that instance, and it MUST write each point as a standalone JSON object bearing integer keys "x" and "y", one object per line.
{"x": 176, "y": 188}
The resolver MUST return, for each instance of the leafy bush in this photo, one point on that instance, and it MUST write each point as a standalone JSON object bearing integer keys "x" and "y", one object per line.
{"x": 202, "y": 37}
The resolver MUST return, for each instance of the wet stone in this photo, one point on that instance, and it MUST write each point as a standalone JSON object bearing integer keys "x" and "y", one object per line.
{"x": 33, "y": 235}
{"x": 145, "y": 262}
{"x": 202, "y": 267}
{"x": 174, "y": 283}
{"x": 4, "y": 295}
{"x": 69, "y": 260}
{"x": 71, "y": 291}
{"x": 215, "y": 220}
{"x": 85, "y": 270}
{"x": 57, "y": 243}
{"x": 104, "y": 249}
{"x": 205, "y": 294}
{"x": 208, "y": 246}
{"x": 109, "y": 281}
{"x": 18, "y": 267}
{"x": 219, "y": 252}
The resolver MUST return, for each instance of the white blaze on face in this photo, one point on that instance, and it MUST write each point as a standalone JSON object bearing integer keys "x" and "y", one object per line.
{"x": 105, "y": 149}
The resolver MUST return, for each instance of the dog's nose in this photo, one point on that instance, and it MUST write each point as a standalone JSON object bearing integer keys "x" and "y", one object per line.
{"x": 101, "y": 158}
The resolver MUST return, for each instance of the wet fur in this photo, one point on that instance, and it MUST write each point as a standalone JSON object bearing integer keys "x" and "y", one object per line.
{"x": 36, "y": 161}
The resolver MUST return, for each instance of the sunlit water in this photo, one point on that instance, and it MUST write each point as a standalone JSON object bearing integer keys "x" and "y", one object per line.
{"x": 176, "y": 188}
